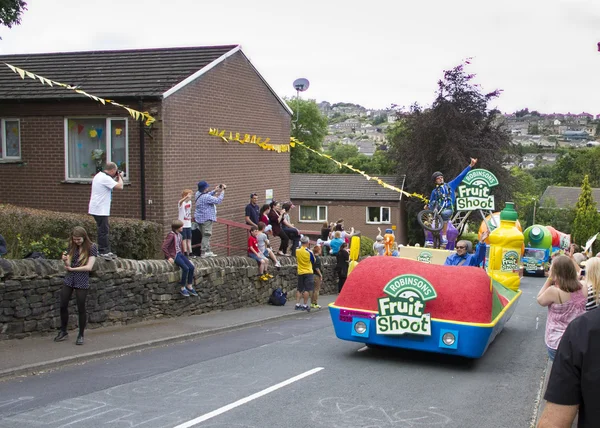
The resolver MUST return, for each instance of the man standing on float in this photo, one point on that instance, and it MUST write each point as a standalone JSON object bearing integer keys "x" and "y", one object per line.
{"x": 443, "y": 196}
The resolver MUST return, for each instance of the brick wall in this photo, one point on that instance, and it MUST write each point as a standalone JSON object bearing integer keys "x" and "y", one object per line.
{"x": 38, "y": 181}
{"x": 231, "y": 96}
{"x": 354, "y": 215}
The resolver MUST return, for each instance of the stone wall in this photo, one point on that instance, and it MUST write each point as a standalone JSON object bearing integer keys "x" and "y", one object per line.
{"x": 126, "y": 291}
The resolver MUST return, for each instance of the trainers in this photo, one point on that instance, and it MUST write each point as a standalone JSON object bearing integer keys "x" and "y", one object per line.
{"x": 298, "y": 308}
{"x": 315, "y": 306}
{"x": 211, "y": 254}
{"x": 79, "y": 340}
{"x": 107, "y": 256}
{"x": 277, "y": 265}
{"x": 62, "y": 335}
{"x": 192, "y": 291}
{"x": 184, "y": 292}
{"x": 280, "y": 253}
{"x": 444, "y": 240}
{"x": 306, "y": 308}
{"x": 268, "y": 275}
{"x": 263, "y": 277}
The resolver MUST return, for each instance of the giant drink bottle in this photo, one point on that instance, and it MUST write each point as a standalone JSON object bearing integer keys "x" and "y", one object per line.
{"x": 506, "y": 243}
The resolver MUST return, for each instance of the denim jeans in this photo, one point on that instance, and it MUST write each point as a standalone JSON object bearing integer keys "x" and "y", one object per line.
{"x": 187, "y": 270}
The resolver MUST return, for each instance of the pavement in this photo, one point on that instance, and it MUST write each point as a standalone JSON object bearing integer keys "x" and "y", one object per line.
{"x": 32, "y": 355}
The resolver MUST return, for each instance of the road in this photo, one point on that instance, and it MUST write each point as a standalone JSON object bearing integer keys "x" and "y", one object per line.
{"x": 292, "y": 373}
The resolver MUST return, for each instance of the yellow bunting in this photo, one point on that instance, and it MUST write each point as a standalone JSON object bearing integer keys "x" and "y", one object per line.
{"x": 93, "y": 133}
{"x": 137, "y": 115}
{"x": 382, "y": 183}
{"x": 247, "y": 138}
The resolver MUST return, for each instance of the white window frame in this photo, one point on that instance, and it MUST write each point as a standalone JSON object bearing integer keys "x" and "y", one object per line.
{"x": 318, "y": 220}
{"x": 380, "y": 215}
{"x": 3, "y": 139}
{"x": 108, "y": 145}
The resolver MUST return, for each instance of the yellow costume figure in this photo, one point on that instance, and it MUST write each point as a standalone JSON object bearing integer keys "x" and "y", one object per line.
{"x": 388, "y": 241}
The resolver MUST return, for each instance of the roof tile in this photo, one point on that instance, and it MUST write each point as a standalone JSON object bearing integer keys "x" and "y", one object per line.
{"x": 347, "y": 187}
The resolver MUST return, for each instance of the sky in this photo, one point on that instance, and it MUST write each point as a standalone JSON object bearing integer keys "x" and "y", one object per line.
{"x": 541, "y": 53}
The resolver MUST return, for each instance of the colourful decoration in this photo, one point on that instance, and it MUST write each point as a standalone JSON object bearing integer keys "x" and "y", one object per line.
{"x": 93, "y": 133}
{"x": 85, "y": 165}
{"x": 283, "y": 148}
{"x": 99, "y": 131}
{"x": 14, "y": 130}
{"x": 79, "y": 128}
{"x": 137, "y": 115}
{"x": 252, "y": 139}
{"x": 294, "y": 142}
{"x": 118, "y": 131}
{"x": 79, "y": 145}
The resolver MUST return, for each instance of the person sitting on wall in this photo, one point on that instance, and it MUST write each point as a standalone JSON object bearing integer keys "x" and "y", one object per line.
{"x": 3, "y": 246}
{"x": 463, "y": 258}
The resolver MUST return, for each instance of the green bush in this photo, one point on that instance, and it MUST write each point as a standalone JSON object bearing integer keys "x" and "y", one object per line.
{"x": 366, "y": 246}
{"x": 48, "y": 232}
{"x": 49, "y": 246}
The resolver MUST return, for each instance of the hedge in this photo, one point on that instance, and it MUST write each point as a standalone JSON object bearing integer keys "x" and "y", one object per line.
{"x": 27, "y": 229}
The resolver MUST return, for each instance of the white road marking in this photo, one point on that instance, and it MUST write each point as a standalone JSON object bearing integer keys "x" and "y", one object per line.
{"x": 245, "y": 400}
{"x": 364, "y": 348}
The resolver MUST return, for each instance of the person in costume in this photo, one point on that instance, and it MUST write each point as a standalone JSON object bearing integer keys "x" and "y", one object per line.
{"x": 443, "y": 196}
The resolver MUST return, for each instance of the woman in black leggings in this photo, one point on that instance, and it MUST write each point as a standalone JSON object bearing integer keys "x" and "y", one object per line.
{"x": 79, "y": 261}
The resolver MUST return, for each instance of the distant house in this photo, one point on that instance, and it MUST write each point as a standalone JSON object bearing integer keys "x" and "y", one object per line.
{"x": 565, "y": 197}
{"x": 363, "y": 204}
{"x": 188, "y": 90}
{"x": 576, "y": 135}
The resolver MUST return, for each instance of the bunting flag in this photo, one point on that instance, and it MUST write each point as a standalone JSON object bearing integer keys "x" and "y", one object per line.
{"x": 137, "y": 115}
{"x": 283, "y": 148}
{"x": 294, "y": 142}
{"x": 249, "y": 139}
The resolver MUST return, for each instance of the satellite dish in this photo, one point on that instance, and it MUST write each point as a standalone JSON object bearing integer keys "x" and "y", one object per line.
{"x": 301, "y": 84}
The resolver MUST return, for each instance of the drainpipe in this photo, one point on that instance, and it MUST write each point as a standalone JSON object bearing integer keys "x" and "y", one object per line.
{"x": 142, "y": 163}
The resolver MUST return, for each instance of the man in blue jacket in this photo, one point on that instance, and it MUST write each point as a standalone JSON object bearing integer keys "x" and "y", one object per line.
{"x": 443, "y": 196}
{"x": 463, "y": 258}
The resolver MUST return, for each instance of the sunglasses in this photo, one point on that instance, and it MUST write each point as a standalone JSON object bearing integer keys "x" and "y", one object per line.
{"x": 460, "y": 247}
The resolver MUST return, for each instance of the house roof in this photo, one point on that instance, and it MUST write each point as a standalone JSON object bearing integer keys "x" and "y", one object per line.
{"x": 112, "y": 74}
{"x": 565, "y": 197}
{"x": 343, "y": 187}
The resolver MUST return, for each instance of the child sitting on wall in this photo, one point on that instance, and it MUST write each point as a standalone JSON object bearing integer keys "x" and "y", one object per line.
{"x": 172, "y": 247}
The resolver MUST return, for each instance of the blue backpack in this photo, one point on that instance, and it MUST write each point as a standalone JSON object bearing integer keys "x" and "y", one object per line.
{"x": 278, "y": 297}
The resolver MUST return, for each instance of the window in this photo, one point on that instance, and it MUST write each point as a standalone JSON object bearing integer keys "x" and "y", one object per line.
{"x": 378, "y": 215}
{"x": 88, "y": 146}
{"x": 313, "y": 213}
{"x": 10, "y": 139}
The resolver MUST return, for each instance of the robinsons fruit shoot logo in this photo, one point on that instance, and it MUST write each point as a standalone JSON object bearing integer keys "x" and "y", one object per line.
{"x": 474, "y": 191}
{"x": 403, "y": 310}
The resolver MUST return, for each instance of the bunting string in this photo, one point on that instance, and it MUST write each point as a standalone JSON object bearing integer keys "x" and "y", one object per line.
{"x": 283, "y": 148}
{"x": 137, "y": 115}
{"x": 249, "y": 139}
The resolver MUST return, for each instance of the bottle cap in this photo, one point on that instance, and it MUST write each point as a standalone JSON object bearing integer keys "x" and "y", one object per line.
{"x": 509, "y": 213}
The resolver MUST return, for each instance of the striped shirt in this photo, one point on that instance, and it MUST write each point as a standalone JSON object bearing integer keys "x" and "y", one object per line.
{"x": 591, "y": 298}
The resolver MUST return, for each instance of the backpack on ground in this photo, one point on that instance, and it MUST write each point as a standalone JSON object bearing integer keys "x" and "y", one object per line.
{"x": 278, "y": 297}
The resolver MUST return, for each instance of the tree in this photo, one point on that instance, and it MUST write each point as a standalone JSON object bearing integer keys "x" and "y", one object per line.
{"x": 456, "y": 127}
{"x": 521, "y": 113}
{"x": 10, "y": 12}
{"x": 587, "y": 219}
{"x": 310, "y": 128}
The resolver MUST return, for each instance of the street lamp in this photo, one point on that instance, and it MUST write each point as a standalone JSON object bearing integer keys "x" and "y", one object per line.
{"x": 534, "y": 204}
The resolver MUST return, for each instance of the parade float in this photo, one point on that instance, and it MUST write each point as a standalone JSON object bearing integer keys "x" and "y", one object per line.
{"x": 421, "y": 304}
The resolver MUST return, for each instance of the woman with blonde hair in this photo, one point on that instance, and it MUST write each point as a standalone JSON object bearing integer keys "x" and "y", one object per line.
{"x": 565, "y": 299}
{"x": 79, "y": 260}
{"x": 592, "y": 282}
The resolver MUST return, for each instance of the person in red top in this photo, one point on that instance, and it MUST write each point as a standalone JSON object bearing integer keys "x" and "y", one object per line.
{"x": 173, "y": 251}
{"x": 257, "y": 255}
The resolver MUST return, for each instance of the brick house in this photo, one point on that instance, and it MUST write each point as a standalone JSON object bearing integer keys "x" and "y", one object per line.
{"x": 48, "y": 133}
{"x": 363, "y": 204}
